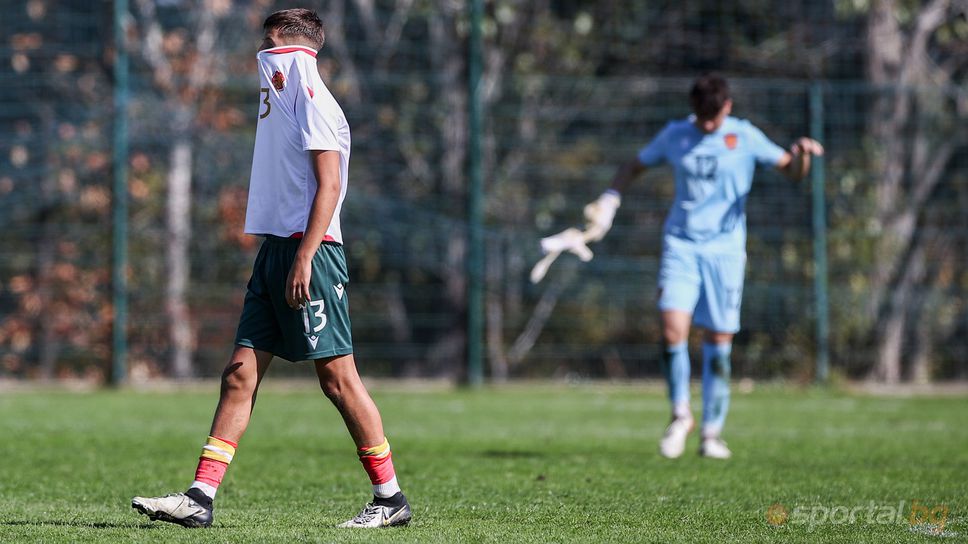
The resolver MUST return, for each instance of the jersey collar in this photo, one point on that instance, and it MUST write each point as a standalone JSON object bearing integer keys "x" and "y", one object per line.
{"x": 282, "y": 49}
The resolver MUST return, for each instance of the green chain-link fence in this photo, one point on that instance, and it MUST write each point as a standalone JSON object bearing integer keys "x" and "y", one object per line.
{"x": 570, "y": 89}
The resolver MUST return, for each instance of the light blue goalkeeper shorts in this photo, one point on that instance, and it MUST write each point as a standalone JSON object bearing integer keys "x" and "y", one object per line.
{"x": 707, "y": 284}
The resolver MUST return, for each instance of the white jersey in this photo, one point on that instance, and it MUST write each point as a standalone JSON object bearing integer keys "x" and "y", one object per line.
{"x": 297, "y": 114}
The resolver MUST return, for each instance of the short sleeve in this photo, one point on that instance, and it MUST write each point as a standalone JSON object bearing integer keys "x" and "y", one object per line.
{"x": 763, "y": 149}
{"x": 318, "y": 124}
{"x": 654, "y": 153}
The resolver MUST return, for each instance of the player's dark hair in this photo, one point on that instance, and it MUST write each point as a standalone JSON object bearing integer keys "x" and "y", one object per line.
{"x": 708, "y": 95}
{"x": 297, "y": 22}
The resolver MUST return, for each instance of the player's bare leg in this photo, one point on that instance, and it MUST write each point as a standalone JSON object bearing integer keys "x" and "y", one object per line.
{"x": 240, "y": 384}
{"x": 715, "y": 393}
{"x": 675, "y": 366}
{"x": 675, "y": 326}
{"x": 341, "y": 383}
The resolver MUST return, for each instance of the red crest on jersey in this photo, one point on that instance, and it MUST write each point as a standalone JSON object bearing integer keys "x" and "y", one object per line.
{"x": 731, "y": 140}
{"x": 278, "y": 80}
{"x": 311, "y": 93}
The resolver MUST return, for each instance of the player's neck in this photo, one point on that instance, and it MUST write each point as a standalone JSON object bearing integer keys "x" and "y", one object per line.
{"x": 706, "y": 128}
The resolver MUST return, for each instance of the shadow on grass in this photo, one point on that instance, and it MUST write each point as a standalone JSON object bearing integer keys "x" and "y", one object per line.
{"x": 78, "y": 523}
{"x": 94, "y": 525}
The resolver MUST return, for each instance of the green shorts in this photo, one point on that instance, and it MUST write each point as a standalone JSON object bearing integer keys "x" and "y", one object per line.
{"x": 320, "y": 329}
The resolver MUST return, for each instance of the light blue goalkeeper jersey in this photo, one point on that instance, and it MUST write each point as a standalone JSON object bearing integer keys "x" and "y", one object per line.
{"x": 714, "y": 173}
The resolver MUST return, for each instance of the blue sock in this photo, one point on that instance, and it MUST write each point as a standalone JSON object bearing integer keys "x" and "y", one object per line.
{"x": 675, "y": 366}
{"x": 715, "y": 387}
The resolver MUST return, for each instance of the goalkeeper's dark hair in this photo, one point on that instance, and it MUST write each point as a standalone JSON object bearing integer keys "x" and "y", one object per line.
{"x": 297, "y": 22}
{"x": 708, "y": 95}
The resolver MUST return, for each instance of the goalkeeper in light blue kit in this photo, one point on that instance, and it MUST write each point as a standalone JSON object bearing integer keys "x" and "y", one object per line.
{"x": 704, "y": 245}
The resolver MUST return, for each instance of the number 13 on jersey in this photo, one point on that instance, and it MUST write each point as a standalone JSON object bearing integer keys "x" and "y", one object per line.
{"x": 265, "y": 100}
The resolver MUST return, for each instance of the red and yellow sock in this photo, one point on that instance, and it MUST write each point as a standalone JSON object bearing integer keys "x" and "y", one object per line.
{"x": 378, "y": 464}
{"x": 217, "y": 453}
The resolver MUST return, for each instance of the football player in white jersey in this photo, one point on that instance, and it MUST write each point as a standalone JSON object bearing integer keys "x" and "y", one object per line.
{"x": 713, "y": 156}
{"x": 296, "y": 304}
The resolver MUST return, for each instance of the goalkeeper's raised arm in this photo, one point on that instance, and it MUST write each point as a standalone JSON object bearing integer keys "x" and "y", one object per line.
{"x": 795, "y": 164}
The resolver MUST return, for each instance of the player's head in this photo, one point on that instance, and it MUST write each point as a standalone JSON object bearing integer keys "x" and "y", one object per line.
{"x": 293, "y": 27}
{"x": 710, "y": 101}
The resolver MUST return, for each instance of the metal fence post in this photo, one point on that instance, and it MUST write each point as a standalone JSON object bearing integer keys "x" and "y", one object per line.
{"x": 475, "y": 204}
{"x": 120, "y": 201}
{"x": 817, "y": 178}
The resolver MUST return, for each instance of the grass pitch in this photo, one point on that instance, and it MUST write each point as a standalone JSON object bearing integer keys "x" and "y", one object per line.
{"x": 516, "y": 464}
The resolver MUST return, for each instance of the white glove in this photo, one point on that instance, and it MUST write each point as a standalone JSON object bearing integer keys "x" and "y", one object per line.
{"x": 599, "y": 215}
{"x": 570, "y": 240}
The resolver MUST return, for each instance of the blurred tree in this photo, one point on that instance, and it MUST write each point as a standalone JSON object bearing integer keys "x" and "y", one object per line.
{"x": 184, "y": 64}
{"x": 917, "y": 49}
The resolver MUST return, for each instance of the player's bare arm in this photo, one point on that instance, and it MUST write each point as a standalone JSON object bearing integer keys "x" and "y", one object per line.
{"x": 625, "y": 174}
{"x": 601, "y": 212}
{"x": 325, "y": 165}
{"x": 796, "y": 163}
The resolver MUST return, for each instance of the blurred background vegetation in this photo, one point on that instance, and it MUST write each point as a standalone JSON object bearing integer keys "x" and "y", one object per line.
{"x": 570, "y": 89}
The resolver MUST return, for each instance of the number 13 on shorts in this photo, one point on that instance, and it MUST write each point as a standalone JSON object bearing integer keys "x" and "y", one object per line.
{"x": 314, "y": 316}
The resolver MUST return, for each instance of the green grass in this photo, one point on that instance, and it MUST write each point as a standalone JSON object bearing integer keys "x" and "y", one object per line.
{"x": 518, "y": 464}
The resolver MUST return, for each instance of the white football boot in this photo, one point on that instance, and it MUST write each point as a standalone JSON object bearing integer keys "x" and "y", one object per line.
{"x": 389, "y": 512}
{"x": 181, "y": 508}
{"x": 673, "y": 442}
{"x": 714, "y": 448}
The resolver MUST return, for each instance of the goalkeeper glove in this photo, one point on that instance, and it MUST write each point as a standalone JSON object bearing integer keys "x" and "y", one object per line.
{"x": 599, "y": 215}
